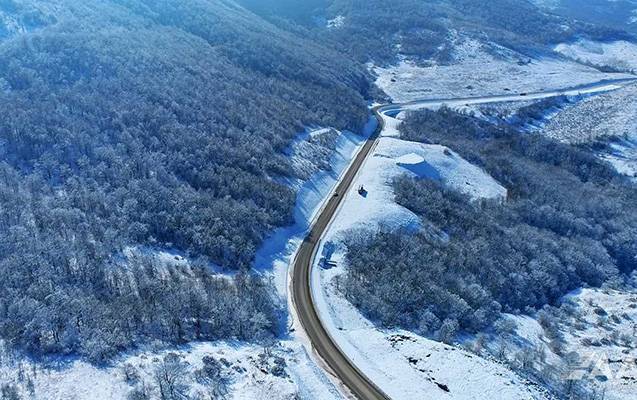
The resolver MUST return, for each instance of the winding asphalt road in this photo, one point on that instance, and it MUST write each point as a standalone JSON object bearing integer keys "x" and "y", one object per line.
{"x": 324, "y": 345}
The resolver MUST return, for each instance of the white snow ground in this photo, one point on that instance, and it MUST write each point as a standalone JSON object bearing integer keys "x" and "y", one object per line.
{"x": 608, "y": 115}
{"x": 619, "y": 54}
{"x": 405, "y": 365}
{"x": 599, "y": 335}
{"x": 248, "y": 374}
{"x": 482, "y": 70}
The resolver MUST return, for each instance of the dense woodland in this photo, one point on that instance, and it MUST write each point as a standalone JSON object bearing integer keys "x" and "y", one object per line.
{"x": 153, "y": 124}
{"x": 569, "y": 221}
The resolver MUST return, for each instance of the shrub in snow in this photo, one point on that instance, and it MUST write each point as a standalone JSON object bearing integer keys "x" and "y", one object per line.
{"x": 170, "y": 377}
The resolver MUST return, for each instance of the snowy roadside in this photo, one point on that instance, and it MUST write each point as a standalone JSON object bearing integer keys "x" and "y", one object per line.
{"x": 403, "y": 364}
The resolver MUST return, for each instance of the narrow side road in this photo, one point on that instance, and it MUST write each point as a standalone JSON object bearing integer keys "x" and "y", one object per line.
{"x": 324, "y": 345}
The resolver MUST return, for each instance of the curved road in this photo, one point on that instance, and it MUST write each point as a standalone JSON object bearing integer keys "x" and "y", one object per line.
{"x": 324, "y": 345}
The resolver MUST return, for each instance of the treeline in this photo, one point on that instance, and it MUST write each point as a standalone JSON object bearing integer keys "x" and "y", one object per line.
{"x": 569, "y": 222}
{"x": 538, "y": 110}
{"x": 157, "y": 124}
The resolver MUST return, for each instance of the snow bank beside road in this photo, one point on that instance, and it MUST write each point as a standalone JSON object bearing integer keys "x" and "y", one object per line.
{"x": 274, "y": 256}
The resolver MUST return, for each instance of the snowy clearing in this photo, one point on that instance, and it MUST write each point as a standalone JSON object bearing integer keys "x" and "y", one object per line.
{"x": 609, "y": 116}
{"x": 336, "y": 22}
{"x": 249, "y": 372}
{"x": 623, "y": 156}
{"x": 620, "y": 54}
{"x": 483, "y": 70}
{"x": 394, "y": 157}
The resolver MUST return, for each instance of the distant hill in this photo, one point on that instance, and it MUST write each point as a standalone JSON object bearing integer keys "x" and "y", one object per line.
{"x": 380, "y": 31}
{"x": 620, "y": 14}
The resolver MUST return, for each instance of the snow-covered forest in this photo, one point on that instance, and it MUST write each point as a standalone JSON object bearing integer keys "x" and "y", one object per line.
{"x": 161, "y": 161}
{"x": 162, "y": 125}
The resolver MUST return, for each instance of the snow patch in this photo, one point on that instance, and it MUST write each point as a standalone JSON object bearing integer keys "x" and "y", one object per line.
{"x": 337, "y": 22}
{"x": 249, "y": 375}
{"x": 623, "y": 156}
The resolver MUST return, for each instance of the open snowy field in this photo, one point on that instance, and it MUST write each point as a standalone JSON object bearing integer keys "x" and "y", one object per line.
{"x": 611, "y": 115}
{"x": 620, "y": 54}
{"x": 403, "y": 364}
{"x": 479, "y": 70}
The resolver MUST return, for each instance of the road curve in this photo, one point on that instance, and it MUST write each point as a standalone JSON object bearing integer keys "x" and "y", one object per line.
{"x": 324, "y": 345}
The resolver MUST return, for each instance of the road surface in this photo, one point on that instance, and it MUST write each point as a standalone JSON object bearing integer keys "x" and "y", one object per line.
{"x": 324, "y": 345}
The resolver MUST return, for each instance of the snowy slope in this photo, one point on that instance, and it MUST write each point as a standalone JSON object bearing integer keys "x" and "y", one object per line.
{"x": 277, "y": 251}
{"x": 407, "y": 366}
{"x": 599, "y": 340}
{"x": 610, "y": 115}
{"x": 248, "y": 375}
{"x": 394, "y": 157}
{"x": 620, "y": 54}
{"x": 483, "y": 70}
